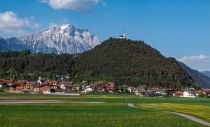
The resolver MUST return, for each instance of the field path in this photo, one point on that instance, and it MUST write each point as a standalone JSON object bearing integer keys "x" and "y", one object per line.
{"x": 43, "y": 102}
{"x": 192, "y": 118}
{"x": 131, "y": 105}
{"x": 189, "y": 117}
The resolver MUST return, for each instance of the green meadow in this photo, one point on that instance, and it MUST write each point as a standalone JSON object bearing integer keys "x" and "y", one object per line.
{"x": 114, "y": 112}
{"x": 200, "y": 111}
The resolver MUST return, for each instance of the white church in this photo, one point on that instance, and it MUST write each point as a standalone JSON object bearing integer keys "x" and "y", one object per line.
{"x": 122, "y": 36}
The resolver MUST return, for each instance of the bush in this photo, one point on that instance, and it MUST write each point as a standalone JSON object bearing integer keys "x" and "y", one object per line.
{"x": 1, "y": 90}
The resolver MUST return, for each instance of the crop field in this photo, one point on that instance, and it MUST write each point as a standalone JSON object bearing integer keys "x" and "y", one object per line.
{"x": 113, "y": 112}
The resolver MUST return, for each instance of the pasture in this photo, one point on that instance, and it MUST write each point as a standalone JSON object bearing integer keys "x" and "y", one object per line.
{"x": 74, "y": 111}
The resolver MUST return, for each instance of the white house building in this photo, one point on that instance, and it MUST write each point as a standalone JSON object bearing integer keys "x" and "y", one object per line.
{"x": 188, "y": 94}
{"x": 123, "y": 36}
{"x": 88, "y": 89}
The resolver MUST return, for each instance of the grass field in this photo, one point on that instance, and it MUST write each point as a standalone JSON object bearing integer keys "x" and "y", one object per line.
{"x": 200, "y": 111}
{"x": 113, "y": 113}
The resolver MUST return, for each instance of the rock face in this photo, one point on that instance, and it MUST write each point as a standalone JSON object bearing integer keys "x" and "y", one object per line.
{"x": 58, "y": 39}
{"x": 201, "y": 80}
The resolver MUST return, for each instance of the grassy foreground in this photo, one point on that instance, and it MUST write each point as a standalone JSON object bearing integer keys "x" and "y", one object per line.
{"x": 113, "y": 113}
{"x": 195, "y": 110}
{"x": 86, "y": 115}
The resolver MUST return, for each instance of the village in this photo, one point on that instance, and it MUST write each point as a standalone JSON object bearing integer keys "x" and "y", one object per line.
{"x": 70, "y": 88}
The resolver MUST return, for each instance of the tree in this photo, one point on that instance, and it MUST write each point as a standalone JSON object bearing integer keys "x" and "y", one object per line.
{"x": 51, "y": 76}
{"x": 2, "y": 73}
{"x": 12, "y": 73}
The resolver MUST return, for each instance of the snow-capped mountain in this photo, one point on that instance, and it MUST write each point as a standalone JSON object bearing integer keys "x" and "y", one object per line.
{"x": 58, "y": 39}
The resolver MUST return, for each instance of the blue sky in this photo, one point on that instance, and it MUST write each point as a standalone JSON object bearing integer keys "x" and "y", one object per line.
{"x": 177, "y": 28}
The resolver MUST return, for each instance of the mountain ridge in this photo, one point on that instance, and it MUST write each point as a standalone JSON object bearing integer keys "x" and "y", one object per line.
{"x": 207, "y": 73}
{"x": 57, "y": 39}
{"x": 3, "y": 45}
{"x": 202, "y": 80}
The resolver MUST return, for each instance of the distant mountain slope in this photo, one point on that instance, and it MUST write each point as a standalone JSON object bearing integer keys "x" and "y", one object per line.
{"x": 207, "y": 73}
{"x": 15, "y": 45}
{"x": 202, "y": 80}
{"x": 57, "y": 39}
{"x": 3, "y": 45}
{"x": 127, "y": 59}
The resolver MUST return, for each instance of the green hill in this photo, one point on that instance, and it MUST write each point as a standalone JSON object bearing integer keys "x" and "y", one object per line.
{"x": 130, "y": 62}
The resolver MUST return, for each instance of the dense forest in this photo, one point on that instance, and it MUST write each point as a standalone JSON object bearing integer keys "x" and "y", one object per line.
{"x": 26, "y": 65}
{"x": 131, "y": 62}
{"x": 124, "y": 62}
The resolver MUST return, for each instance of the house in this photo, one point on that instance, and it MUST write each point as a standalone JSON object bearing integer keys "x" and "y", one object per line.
{"x": 88, "y": 89}
{"x": 110, "y": 86}
{"x": 52, "y": 82}
{"x": 28, "y": 86}
{"x": 21, "y": 81}
{"x": 1, "y": 84}
{"x": 97, "y": 86}
{"x": 75, "y": 88}
{"x": 8, "y": 83}
{"x": 54, "y": 87}
{"x": 206, "y": 92}
{"x": 174, "y": 92}
{"x": 62, "y": 86}
{"x": 18, "y": 88}
{"x": 177, "y": 93}
{"x": 69, "y": 87}
{"x": 43, "y": 89}
{"x": 199, "y": 93}
{"x": 139, "y": 91}
{"x": 155, "y": 92}
{"x": 188, "y": 94}
{"x": 21, "y": 86}
{"x": 102, "y": 86}
{"x": 131, "y": 89}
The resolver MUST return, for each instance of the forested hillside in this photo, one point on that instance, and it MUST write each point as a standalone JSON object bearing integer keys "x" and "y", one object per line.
{"x": 23, "y": 64}
{"x": 133, "y": 62}
{"x": 122, "y": 61}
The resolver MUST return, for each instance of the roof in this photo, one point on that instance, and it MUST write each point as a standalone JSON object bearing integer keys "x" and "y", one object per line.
{"x": 8, "y": 81}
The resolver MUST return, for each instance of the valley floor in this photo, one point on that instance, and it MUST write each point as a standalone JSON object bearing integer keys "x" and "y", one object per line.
{"x": 103, "y": 111}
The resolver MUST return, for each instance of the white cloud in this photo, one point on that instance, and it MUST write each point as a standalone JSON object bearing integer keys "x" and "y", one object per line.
{"x": 79, "y": 5}
{"x": 198, "y": 62}
{"x": 194, "y": 58}
{"x": 11, "y": 23}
